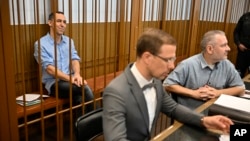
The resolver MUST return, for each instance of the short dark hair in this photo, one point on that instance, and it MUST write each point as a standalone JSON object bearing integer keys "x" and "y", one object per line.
{"x": 51, "y": 15}
{"x": 152, "y": 40}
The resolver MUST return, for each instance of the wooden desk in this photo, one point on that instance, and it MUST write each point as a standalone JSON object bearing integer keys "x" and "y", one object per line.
{"x": 181, "y": 132}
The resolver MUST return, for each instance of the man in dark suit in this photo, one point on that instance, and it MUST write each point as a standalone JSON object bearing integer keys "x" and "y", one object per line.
{"x": 130, "y": 109}
{"x": 242, "y": 41}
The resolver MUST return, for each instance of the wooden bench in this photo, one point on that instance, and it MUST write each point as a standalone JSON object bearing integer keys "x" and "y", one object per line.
{"x": 97, "y": 85}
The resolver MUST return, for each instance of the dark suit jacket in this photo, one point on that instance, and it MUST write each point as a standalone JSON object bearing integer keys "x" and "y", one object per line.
{"x": 125, "y": 113}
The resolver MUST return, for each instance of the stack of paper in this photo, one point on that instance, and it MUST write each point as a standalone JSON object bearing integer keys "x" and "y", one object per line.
{"x": 236, "y": 108}
{"x": 234, "y": 102}
{"x": 30, "y": 99}
{"x": 246, "y": 94}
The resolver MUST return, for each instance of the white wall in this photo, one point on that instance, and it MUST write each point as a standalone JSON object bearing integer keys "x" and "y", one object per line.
{"x": 37, "y": 11}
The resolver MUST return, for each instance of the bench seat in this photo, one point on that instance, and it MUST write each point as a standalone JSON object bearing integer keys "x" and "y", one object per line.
{"x": 48, "y": 103}
{"x": 97, "y": 84}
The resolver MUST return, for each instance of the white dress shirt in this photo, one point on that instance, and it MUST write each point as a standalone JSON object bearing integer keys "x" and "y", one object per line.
{"x": 149, "y": 94}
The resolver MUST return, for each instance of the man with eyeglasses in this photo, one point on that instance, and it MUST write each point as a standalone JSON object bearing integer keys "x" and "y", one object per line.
{"x": 133, "y": 101}
{"x": 205, "y": 75}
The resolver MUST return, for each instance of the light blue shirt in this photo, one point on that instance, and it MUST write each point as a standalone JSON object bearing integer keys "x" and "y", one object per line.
{"x": 48, "y": 56}
{"x": 194, "y": 72}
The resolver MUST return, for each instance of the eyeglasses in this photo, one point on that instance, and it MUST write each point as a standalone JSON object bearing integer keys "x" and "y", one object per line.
{"x": 167, "y": 60}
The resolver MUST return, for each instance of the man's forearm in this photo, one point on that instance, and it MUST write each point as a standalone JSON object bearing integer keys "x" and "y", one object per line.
{"x": 76, "y": 67}
{"x": 57, "y": 73}
{"x": 237, "y": 91}
{"x": 177, "y": 89}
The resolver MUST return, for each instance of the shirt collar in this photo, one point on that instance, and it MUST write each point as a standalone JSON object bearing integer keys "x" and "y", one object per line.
{"x": 204, "y": 63}
{"x": 51, "y": 40}
{"x": 140, "y": 79}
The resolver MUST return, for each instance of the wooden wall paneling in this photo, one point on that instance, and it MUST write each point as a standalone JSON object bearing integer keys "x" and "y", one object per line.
{"x": 95, "y": 39}
{"x": 82, "y": 46}
{"x": 126, "y": 34}
{"x": 217, "y": 6}
{"x": 127, "y": 41}
{"x": 102, "y": 45}
{"x": 233, "y": 53}
{"x": 29, "y": 73}
{"x": 208, "y": 18}
{"x": 201, "y": 24}
{"x": 156, "y": 13}
{"x": 176, "y": 26}
{"x": 229, "y": 28}
{"x": 110, "y": 49}
{"x": 4, "y": 131}
{"x": 183, "y": 34}
{"x": 30, "y": 64}
{"x": 194, "y": 27}
{"x": 121, "y": 35}
{"x": 141, "y": 19}
{"x": 105, "y": 52}
{"x": 180, "y": 33}
{"x": 8, "y": 121}
{"x": 59, "y": 116}
{"x": 164, "y": 13}
{"x": 184, "y": 40}
{"x": 106, "y": 35}
{"x": 170, "y": 19}
{"x": 159, "y": 13}
{"x": 40, "y": 30}
{"x": 136, "y": 16}
{"x": 145, "y": 23}
{"x": 128, "y": 17}
{"x": 247, "y": 5}
{"x": 175, "y": 32}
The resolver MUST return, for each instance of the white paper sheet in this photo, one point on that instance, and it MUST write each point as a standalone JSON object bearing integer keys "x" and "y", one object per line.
{"x": 246, "y": 96}
{"x": 233, "y": 102}
{"x": 30, "y": 97}
{"x": 224, "y": 138}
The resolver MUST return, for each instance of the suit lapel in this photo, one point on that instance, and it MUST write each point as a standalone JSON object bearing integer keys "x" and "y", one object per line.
{"x": 138, "y": 95}
{"x": 158, "y": 90}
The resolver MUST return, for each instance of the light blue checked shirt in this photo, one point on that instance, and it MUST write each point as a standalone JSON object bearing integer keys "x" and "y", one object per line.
{"x": 48, "y": 56}
{"x": 194, "y": 73}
